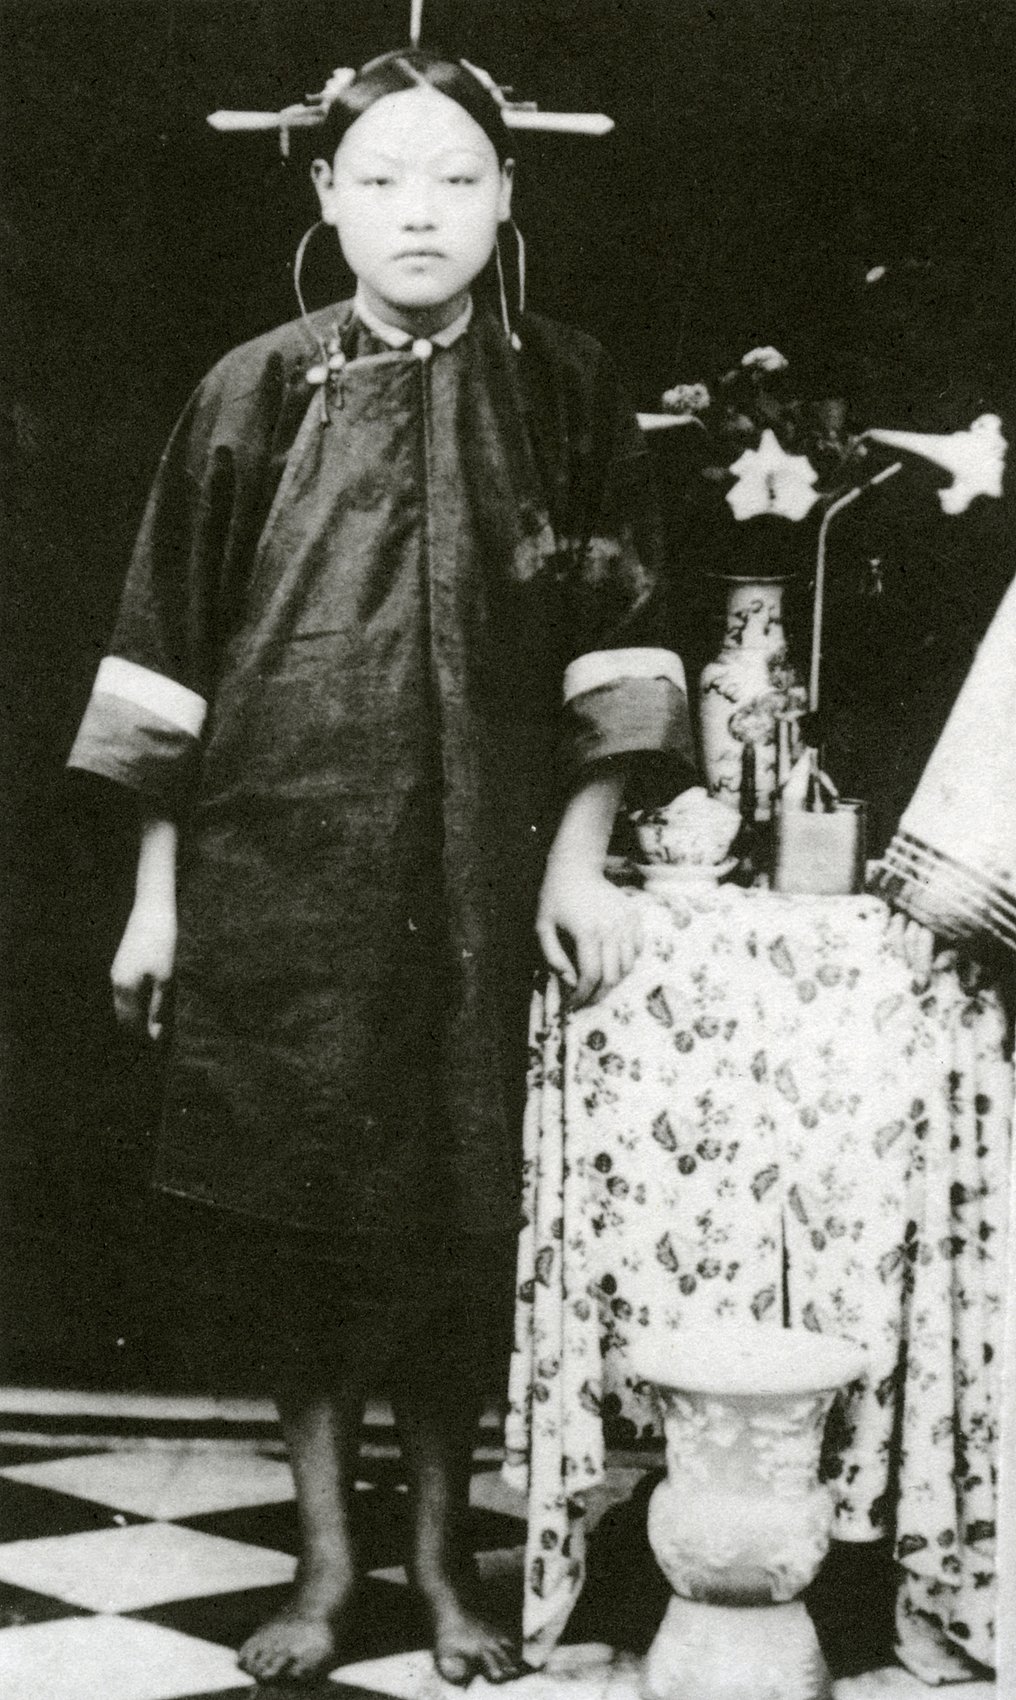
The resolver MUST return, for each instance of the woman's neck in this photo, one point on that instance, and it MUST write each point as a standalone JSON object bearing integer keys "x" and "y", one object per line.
{"x": 413, "y": 321}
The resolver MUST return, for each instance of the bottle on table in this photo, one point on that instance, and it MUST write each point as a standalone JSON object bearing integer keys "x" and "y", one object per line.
{"x": 750, "y": 846}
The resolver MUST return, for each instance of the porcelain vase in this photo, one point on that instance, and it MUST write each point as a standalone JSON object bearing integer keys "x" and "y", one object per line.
{"x": 742, "y": 690}
{"x": 742, "y": 1523}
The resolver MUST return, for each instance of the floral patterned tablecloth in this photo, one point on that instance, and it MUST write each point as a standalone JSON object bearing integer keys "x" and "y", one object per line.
{"x": 766, "y": 1120}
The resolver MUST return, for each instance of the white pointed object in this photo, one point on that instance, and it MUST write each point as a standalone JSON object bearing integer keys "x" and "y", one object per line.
{"x": 301, "y": 115}
{"x": 975, "y": 457}
{"x": 525, "y": 115}
{"x": 564, "y": 123}
{"x": 290, "y": 118}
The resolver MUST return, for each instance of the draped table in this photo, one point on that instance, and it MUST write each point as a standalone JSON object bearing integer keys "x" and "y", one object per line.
{"x": 768, "y": 1120}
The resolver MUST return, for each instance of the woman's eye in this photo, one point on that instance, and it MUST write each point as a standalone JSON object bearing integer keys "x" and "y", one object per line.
{"x": 460, "y": 177}
{"x": 375, "y": 182}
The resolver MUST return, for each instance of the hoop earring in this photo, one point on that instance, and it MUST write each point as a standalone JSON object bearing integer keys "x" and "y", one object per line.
{"x": 520, "y": 261}
{"x": 330, "y": 359}
{"x": 298, "y": 267}
{"x": 511, "y": 336}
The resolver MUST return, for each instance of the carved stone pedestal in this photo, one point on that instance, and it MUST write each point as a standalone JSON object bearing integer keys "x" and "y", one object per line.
{"x": 741, "y": 1524}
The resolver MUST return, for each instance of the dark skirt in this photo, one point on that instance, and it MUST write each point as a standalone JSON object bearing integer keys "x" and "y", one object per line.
{"x": 273, "y": 1304}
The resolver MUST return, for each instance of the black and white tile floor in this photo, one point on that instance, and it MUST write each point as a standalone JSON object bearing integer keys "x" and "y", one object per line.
{"x": 135, "y": 1557}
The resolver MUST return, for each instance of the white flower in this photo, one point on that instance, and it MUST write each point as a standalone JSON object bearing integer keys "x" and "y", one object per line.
{"x": 686, "y": 398}
{"x": 339, "y": 81}
{"x": 771, "y": 481}
{"x": 976, "y": 458}
{"x": 765, "y": 359}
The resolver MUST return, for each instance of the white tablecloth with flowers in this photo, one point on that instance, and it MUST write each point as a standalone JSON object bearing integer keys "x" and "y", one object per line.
{"x": 766, "y": 1120}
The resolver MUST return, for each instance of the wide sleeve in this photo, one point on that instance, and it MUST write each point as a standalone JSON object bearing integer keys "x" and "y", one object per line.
{"x": 143, "y": 723}
{"x": 624, "y": 689}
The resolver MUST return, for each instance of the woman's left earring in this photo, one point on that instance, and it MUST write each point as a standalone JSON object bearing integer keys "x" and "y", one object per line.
{"x": 511, "y": 335}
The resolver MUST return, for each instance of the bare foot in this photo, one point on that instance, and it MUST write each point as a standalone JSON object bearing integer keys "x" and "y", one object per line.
{"x": 466, "y": 1644}
{"x": 303, "y": 1640}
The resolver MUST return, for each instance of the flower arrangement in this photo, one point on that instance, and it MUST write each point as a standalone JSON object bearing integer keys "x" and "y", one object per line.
{"x": 777, "y": 453}
{"x": 771, "y": 450}
{"x": 760, "y": 455}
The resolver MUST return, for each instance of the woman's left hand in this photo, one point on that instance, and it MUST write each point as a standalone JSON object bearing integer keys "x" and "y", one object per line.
{"x": 915, "y": 944}
{"x": 589, "y": 931}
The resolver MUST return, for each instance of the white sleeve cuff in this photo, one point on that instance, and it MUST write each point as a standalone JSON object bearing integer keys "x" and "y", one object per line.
{"x": 173, "y": 702}
{"x": 607, "y": 666}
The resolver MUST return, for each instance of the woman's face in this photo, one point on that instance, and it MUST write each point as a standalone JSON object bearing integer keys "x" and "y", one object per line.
{"x": 416, "y": 193}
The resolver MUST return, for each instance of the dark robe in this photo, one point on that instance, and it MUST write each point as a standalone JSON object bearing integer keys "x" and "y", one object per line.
{"x": 339, "y": 660}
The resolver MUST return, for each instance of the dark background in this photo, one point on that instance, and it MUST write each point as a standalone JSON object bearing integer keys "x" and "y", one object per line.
{"x": 768, "y": 154}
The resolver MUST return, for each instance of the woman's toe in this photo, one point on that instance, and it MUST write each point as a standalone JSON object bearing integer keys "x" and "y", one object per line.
{"x": 455, "y": 1668}
{"x": 259, "y": 1663}
{"x": 501, "y": 1662}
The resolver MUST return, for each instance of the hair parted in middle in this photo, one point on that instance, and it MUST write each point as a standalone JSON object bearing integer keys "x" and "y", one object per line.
{"x": 402, "y": 70}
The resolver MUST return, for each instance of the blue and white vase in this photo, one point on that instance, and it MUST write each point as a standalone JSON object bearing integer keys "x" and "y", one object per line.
{"x": 744, "y": 688}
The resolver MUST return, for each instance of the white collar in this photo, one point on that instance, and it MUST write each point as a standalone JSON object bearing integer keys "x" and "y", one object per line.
{"x": 396, "y": 338}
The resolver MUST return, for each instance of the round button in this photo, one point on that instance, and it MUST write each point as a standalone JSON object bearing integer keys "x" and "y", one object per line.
{"x": 422, "y": 348}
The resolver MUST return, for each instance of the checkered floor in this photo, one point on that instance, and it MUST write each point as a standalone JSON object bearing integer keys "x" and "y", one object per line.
{"x": 132, "y": 1569}
{"x": 134, "y": 1573}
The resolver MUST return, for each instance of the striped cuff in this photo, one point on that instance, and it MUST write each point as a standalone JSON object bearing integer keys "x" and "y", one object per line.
{"x": 152, "y": 692}
{"x": 953, "y": 899}
{"x": 140, "y": 729}
{"x": 642, "y": 718}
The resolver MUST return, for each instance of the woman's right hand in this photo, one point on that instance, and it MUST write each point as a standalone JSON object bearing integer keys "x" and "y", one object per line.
{"x": 142, "y": 970}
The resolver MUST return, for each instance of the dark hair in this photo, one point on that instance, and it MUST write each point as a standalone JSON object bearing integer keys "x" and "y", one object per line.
{"x": 395, "y": 73}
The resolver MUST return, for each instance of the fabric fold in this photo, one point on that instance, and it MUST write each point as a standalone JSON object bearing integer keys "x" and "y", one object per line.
{"x": 764, "y": 1109}
{"x": 952, "y": 862}
{"x": 379, "y": 601}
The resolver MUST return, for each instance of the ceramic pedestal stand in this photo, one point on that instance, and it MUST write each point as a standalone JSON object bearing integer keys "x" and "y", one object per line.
{"x": 741, "y": 1524}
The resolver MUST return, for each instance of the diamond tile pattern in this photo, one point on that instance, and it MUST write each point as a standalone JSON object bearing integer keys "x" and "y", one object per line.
{"x": 111, "y": 1658}
{"x": 134, "y": 1573}
{"x": 182, "y": 1483}
{"x": 27, "y": 1512}
{"x": 592, "y": 1672}
{"x": 126, "y": 1569}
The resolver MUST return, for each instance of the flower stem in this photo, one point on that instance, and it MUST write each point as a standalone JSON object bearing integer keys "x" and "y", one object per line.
{"x": 820, "y": 569}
